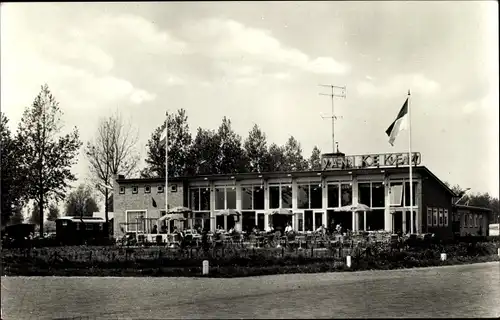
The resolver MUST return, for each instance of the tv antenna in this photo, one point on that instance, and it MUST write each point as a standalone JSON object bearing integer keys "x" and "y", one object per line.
{"x": 333, "y": 94}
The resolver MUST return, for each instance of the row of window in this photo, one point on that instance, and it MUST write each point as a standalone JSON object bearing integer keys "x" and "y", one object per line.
{"x": 437, "y": 217}
{"x": 472, "y": 220}
{"x": 147, "y": 189}
{"x": 309, "y": 196}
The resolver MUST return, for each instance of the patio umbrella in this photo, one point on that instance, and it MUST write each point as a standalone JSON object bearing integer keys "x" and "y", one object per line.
{"x": 282, "y": 211}
{"x": 228, "y": 212}
{"x": 354, "y": 208}
{"x": 179, "y": 210}
{"x": 172, "y": 216}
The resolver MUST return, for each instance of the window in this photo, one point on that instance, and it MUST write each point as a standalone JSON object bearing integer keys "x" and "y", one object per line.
{"x": 260, "y": 221}
{"x": 364, "y": 193}
{"x": 333, "y": 196}
{"x": 258, "y": 198}
{"x": 371, "y": 194}
{"x": 194, "y": 199}
{"x": 346, "y": 194}
{"x": 231, "y": 198}
{"x": 375, "y": 220}
{"x": 274, "y": 197}
{"x": 318, "y": 219}
{"x": 435, "y": 217}
{"x": 225, "y": 198}
{"x": 280, "y": 196}
{"x": 299, "y": 221}
{"x": 135, "y": 189}
{"x": 378, "y": 195}
{"x": 147, "y": 189}
{"x": 220, "y": 198}
{"x": 480, "y": 221}
{"x": 308, "y": 217}
{"x": 122, "y": 190}
{"x": 246, "y": 198}
{"x": 310, "y": 196}
{"x": 445, "y": 217}
{"x": 429, "y": 217}
{"x": 396, "y": 193}
{"x": 303, "y": 197}
{"x": 316, "y": 196}
{"x": 248, "y": 220}
{"x": 286, "y": 196}
{"x": 160, "y": 189}
{"x": 173, "y": 188}
{"x": 470, "y": 220}
{"x": 475, "y": 221}
{"x": 134, "y": 220}
{"x": 440, "y": 217}
{"x": 252, "y": 197}
{"x": 407, "y": 194}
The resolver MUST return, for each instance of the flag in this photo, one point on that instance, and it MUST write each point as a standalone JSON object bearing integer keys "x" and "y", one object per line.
{"x": 154, "y": 202}
{"x": 163, "y": 137}
{"x": 399, "y": 124}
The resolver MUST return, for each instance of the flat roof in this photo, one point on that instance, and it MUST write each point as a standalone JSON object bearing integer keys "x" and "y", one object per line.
{"x": 294, "y": 174}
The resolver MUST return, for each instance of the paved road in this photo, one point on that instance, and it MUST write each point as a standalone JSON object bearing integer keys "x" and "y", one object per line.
{"x": 453, "y": 291}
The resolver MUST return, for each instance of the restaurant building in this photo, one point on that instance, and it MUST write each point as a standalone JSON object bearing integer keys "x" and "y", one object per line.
{"x": 305, "y": 199}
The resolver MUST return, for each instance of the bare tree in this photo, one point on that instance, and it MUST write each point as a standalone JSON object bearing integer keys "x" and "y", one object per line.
{"x": 112, "y": 152}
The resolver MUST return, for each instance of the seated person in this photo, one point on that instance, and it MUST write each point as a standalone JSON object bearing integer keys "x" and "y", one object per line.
{"x": 288, "y": 228}
{"x": 270, "y": 228}
{"x": 163, "y": 229}
{"x": 231, "y": 231}
{"x": 321, "y": 229}
{"x": 155, "y": 229}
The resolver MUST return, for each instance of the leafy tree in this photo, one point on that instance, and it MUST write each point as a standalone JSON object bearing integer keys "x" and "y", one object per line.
{"x": 53, "y": 212}
{"x": 277, "y": 159}
{"x": 179, "y": 143}
{"x": 12, "y": 187}
{"x": 293, "y": 156}
{"x": 46, "y": 155}
{"x": 204, "y": 153}
{"x": 112, "y": 152}
{"x": 256, "y": 150}
{"x": 315, "y": 159}
{"x": 231, "y": 157}
{"x": 80, "y": 202}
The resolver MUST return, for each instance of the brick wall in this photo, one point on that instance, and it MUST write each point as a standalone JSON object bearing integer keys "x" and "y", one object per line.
{"x": 143, "y": 201}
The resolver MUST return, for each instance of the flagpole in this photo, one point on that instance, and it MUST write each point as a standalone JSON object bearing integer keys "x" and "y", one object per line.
{"x": 166, "y": 169}
{"x": 410, "y": 161}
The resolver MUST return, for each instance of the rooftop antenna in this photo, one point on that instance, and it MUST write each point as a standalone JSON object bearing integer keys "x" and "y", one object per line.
{"x": 333, "y": 116}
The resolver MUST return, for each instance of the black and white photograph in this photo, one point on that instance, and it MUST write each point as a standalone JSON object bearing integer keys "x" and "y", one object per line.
{"x": 249, "y": 160}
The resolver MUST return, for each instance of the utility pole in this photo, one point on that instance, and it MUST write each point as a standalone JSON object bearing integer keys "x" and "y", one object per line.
{"x": 333, "y": 116}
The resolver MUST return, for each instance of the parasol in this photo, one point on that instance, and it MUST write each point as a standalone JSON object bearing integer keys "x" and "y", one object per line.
{"x": 282, "y": 211}
{"x": 172, "y": 216}
{"x": 228, "y": 212}
{"x": 179, "y": 210}
{"x": 354, "y": 208}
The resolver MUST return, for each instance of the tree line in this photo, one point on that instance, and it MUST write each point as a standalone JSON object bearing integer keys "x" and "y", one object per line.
{"x": 36, "y": 161}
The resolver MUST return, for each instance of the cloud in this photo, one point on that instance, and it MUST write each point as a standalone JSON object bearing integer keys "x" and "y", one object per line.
{"x": 398, "y": 85}
{"x": 232, "y": 41}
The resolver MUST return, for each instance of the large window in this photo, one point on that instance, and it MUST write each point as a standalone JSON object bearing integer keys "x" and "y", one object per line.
{"x": 371, "y": 194}
{"x": 199, "y": 198}
{"x": 299, "y": 221}
{"x": 135, "y": 221}
{"x": 407, "y": 194}
{"x": 375, "y": 220}
{"x": 396, "y": 193}
{"x": 346, "y": 194}
{"x": 333, "y": 195}
{"x": 280, "y": 196}
{"x": 225, "y": 198}
{"x": 308, "y": 217}
{"x": 248, "y": 220}
{"x": 429, "y": 217}
{"x": 310, "y": 196}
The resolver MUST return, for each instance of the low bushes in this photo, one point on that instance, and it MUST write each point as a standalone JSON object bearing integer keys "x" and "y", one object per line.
{"x": 118, "y": 261}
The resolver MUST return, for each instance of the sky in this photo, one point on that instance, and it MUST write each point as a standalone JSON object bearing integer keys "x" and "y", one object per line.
{"x": 262, "y": 63}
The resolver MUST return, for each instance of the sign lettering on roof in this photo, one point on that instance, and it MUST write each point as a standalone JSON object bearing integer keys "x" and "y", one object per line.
{"x": 338, "y": 162}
